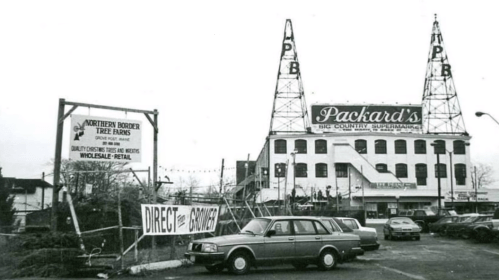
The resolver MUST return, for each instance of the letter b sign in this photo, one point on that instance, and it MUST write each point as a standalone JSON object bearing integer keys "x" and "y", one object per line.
{"x": 294, "y": 67}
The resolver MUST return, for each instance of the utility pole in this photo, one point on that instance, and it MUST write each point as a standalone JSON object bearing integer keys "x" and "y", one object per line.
{"x": 451, "y": 184}
{"x": 439, "y": 190}
{"x": 245, "y": 178}
{"x": 43, "y": 190}
{"x": 222, "y": 177}
{"x": 476, "y": 191}
{"x": 337, "y": 200}
{"x": 363, "y": 199}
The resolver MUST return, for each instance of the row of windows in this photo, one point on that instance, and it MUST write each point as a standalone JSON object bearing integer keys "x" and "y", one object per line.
{"x": 380, "y": 146}
{"x": 301, "y": 171}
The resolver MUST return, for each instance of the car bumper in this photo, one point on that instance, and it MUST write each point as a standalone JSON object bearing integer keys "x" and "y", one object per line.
{"x": 205, "y": 258}
{"x": 354, "y": 252}
{"x": 405, "y": 234}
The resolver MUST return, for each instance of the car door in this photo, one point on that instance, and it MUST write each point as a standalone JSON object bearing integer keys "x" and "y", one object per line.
{"x": 308, "y": 240}
{"x": 282, "y": 244}
{"x": 364, "y": 236}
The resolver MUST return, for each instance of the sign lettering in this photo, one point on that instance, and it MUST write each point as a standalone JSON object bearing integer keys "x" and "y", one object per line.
{"x": 370, "y": 118}
{"x": 178, "y": 219}
{"x": 105, "y": 139}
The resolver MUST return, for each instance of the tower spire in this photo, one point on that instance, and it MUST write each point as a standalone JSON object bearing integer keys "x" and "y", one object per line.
{"x": 441, "y": 109}
{"x": 289, "y": 112}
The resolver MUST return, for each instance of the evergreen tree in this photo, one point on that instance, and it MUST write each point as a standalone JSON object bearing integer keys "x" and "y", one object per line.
{"x": 6, "y": 207}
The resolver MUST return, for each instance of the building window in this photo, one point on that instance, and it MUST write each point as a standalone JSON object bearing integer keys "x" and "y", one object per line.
{"x": 280, "y": 170}
{"x": 382, "y": 168}
{"x": 321, "y": 170}
{"x": 301, "y": 170}
{"x": 421, "y": 174}
{"x": 459, "y": 147}
{"x": 380, "y": 147}
{"x": 401, "y": 170}
{"x": 400, "y": 147}
{"x": 280, "y": 146}
{"x": 420, "y": 147}
{"x": 439, "y": 147}
{"x": 361, "y": 146}
{"x": 443, "y": 170}
{"x": 320, "y": 146}
{"x": 460, "y": 174}
{"x": 301, "y": 146}
{"x": 341, "y": 170}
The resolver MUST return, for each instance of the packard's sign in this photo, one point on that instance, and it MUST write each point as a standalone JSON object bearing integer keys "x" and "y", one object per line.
{"x": 367, "y": 118}
{"x": 393, "y": 185}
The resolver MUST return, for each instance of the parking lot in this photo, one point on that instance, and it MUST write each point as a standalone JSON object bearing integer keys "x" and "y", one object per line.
{"x": 432, "y": 257}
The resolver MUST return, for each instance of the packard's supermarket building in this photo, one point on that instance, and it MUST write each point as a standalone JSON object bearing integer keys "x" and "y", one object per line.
{"x": 387, "y": 156}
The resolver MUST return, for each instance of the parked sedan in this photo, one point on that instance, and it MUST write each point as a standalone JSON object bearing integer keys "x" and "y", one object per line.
{"x": 460, "y": 219}
{"x": 368, "y": 236}
{"x": 465, "y": 229}
{"x": 299, "y": 241}
{"x": 401, "y": 227}
{"x": 455, "y": 229}
{"x": 440, "y": 225}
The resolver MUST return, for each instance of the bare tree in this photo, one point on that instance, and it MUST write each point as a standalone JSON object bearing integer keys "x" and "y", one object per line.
{"x": 103, "y": 175}
{"x": 483, "y": 175}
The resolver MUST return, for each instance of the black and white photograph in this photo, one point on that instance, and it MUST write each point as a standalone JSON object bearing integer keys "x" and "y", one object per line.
{"x": 249, "y": 139}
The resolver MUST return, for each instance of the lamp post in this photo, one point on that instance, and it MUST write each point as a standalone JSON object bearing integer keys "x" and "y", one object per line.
{"x": 435, "y": 145}
{"x": 451, "y": 184}
{"x": 279, "y": 186}
{"x": 479, "y": 114}
{"x": 293, "y": 192}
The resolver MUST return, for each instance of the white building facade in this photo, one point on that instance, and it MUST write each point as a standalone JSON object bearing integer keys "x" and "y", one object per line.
{"x": 384, "y": 171}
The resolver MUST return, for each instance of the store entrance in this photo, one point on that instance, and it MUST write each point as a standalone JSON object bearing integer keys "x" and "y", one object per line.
{"x": 382, "y": 210}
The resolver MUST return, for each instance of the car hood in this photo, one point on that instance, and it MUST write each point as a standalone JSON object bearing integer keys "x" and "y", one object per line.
{"x": 226, "y": 239}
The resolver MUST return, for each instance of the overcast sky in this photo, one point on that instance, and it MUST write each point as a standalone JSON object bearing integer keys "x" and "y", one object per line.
{"x": 210, "y": 68}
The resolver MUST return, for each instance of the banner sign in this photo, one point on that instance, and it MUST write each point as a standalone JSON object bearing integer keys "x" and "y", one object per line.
{"x": 158, "y": 219}
{"x": 367, "y": 118}
{"x": 105, "y": 139}
{"x": 471, "y": 196}
{"x": 393, "y": 185}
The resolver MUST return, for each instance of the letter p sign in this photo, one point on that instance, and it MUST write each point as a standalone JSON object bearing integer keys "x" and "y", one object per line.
{"x": 436, "y": 50}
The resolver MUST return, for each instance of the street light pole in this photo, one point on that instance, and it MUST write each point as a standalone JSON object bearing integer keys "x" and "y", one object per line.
{"x": 279, "y": 186}
{"x": 451, "y": 184}
{"x": 476, "y": 192}
{"x": 293, "y": 193}
{"x": 439, "y": 188}
{"x": 437, "y": 151}
{"x": 479, "y": 114}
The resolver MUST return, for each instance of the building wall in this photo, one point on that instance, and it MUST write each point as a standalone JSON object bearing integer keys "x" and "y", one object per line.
{"x": 355, "y": 178}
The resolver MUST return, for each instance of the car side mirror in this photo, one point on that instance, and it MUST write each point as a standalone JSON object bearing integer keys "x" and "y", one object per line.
{"x": 270, "y": 233}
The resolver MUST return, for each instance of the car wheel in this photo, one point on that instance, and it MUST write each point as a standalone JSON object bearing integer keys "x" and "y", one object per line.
{"x": 300, "y": 266}
{"x": 443, "y": 232}
{"x": 327, "y": 260}
{"x": 463, "y": 234}
{"x": 483, "y": 236}
{"x": 215, "y": 268}
{"x": 239, "y": 263}
{"x": 418, "y": 238}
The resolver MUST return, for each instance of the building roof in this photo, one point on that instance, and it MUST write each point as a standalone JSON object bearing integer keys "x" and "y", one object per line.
{"x": 21, "y": 186}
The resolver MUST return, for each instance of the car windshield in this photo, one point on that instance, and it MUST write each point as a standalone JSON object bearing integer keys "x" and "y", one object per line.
{"x": 256, "y": 226}
{"x": 470, "y": 219}
{"x": 402, "y": 222}
{"x": 443, "y": 220}
{"x": 343, "y": 227}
